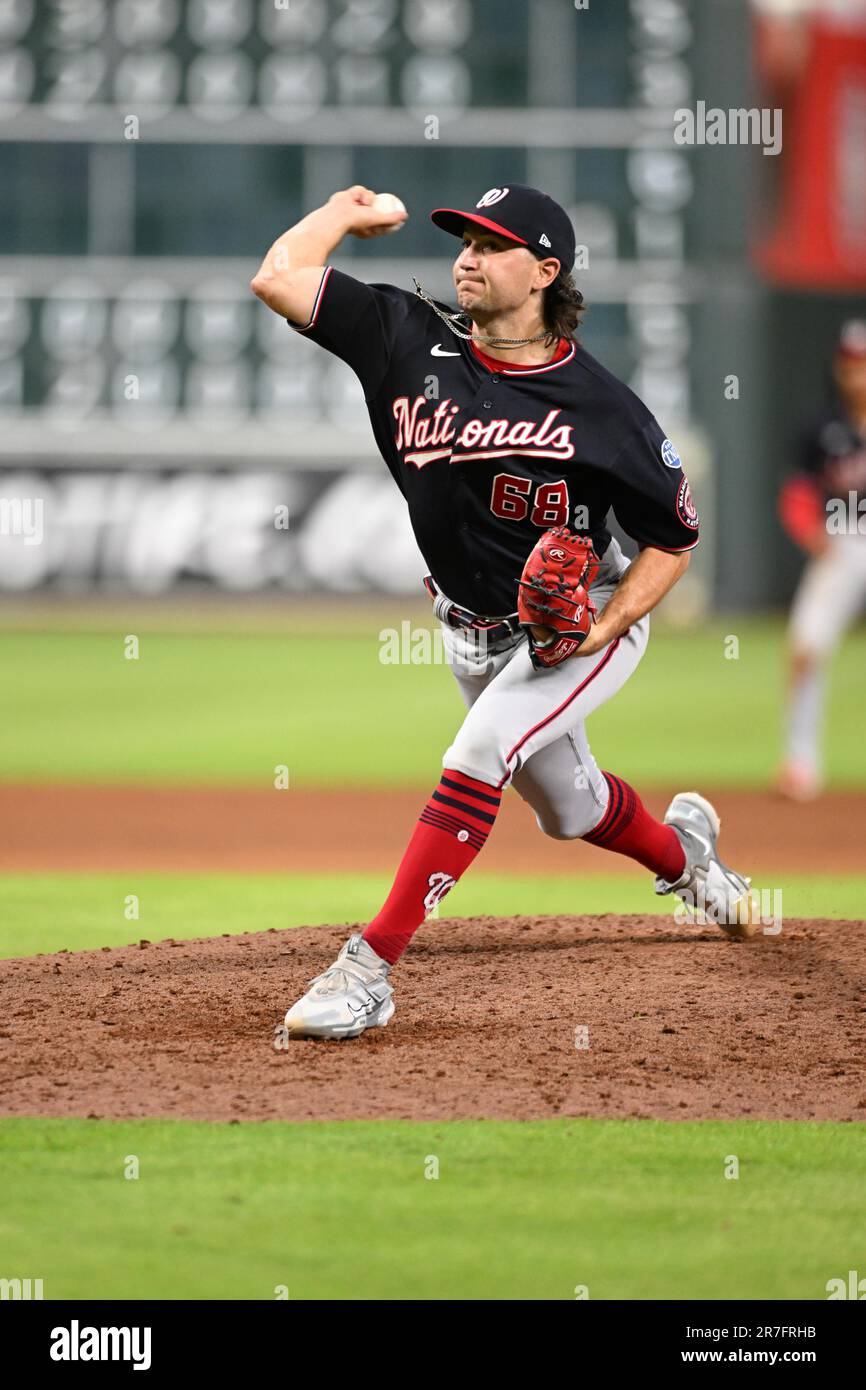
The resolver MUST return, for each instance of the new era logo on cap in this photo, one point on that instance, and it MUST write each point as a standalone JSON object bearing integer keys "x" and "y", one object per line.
{"x": 543, "y": 240}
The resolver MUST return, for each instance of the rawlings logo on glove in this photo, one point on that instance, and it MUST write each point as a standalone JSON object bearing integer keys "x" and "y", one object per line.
{"x": 553, "y": 594}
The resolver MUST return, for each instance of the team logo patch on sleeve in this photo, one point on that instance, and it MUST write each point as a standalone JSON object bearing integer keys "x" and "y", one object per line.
{"x": 686, "y": 509}
{"x": 670, "y": 457}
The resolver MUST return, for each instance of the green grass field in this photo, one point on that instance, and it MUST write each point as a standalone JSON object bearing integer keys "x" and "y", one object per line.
{"x": 632, "y": 1209}
{"x": 226, "y": 708}
{"x": 628, "y": 1209}
{"x": 79, "y": 912}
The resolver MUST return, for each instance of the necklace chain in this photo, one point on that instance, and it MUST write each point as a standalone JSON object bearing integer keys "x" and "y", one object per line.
{"x": 459, "y": 330}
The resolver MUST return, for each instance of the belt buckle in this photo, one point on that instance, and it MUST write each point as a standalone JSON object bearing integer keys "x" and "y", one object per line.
{"x": 501, "y": 631}
{"x": 494, "y": 629}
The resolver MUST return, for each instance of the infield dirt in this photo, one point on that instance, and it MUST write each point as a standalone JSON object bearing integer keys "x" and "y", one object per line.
{"x": 496, "y": 1017}
{"x": 103, "y": 828}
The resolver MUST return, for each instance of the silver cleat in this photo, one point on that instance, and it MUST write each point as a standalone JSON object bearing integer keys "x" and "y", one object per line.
{"x": 712, "y": 891}
{"x": 350, "y": 996}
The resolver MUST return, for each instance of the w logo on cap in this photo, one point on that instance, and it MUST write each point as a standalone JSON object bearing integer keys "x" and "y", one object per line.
{"x": 493, "y": 195}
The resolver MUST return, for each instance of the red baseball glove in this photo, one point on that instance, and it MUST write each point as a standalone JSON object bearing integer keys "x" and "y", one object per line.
{"x": 554, "y": 593}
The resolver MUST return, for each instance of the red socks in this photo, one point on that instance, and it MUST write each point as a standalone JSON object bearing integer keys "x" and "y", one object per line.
{"x": 453, "y": 827}
{"x": 628, "y": 828}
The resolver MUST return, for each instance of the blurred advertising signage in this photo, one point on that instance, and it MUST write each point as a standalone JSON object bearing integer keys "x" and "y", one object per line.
{"x": 149, "y": 532}
{"x": 811, "y": 62}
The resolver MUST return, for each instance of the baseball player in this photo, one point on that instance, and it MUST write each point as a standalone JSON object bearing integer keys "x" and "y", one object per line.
{"x": 823, "y": 509}
{"x": 510, "y": 444}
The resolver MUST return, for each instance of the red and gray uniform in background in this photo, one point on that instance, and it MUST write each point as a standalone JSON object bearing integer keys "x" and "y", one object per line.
{"x": 823, "y": 509}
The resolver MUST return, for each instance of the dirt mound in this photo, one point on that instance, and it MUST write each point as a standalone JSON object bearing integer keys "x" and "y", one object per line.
{"x": 497, "y": 1017}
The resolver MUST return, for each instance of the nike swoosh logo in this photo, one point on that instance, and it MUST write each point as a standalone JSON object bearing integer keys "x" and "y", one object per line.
{"x": 702, "y": 841}
{"x": 439, "y": 351}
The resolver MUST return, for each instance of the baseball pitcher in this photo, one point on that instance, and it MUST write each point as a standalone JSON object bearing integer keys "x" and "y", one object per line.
{"x": 509, "y": 471}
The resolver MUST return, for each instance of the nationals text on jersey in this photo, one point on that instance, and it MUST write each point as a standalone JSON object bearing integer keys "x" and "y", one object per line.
{"x": 496, "y": 439}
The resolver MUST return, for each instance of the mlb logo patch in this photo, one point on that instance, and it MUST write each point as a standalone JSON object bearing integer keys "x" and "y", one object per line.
{"x": 670, "y": 457}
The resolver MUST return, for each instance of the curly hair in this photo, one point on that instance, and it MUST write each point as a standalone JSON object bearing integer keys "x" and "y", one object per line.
{"x": 563, "y": 306}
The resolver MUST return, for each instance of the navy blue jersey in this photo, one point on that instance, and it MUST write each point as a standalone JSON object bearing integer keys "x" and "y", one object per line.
{"x": 833, "y": 454}
{"x": 488, "y": 456}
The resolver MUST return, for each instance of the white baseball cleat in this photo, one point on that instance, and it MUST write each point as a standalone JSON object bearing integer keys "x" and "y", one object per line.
{"x": 350, "y": 996}
{"x": 714, "y": 892}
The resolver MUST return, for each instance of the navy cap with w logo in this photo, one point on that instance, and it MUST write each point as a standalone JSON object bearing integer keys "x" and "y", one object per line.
{"x": 523, "y": 214}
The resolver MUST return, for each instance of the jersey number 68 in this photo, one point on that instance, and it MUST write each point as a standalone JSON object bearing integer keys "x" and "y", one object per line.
{"x": 510, "y": 499}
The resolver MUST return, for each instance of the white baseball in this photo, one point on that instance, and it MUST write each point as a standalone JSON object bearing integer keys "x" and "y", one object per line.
{"x": 389, "y": 202}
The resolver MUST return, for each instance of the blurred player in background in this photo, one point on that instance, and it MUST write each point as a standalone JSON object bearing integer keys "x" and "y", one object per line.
{"x": 823, "y": 509}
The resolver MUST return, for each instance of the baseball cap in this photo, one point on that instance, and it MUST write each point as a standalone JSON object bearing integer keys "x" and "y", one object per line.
{"x": 525, "y": 215}
{"x": 852, "y": 339}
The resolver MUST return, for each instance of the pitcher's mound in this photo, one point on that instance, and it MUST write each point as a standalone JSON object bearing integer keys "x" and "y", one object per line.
{"x": 510, "y": 1018}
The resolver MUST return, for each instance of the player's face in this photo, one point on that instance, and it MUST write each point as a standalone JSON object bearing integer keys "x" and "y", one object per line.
{"x": 493, "y": 275}
{"x": 850, "y": 375}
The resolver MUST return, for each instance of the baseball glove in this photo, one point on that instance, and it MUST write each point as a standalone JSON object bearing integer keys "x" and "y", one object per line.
{"x": 554, "y": 593}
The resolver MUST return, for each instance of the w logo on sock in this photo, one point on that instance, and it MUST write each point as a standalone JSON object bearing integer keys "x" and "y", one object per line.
{"x": 451, "y": 829}
{"x": 439, "y": 884}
